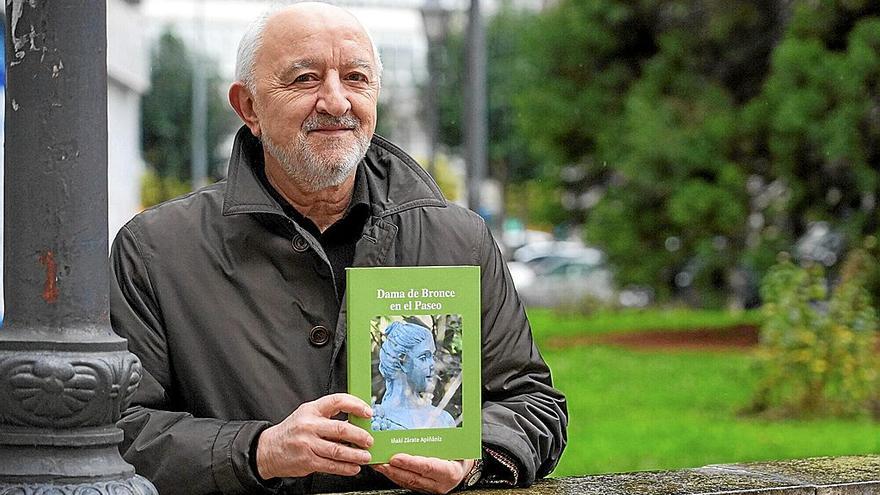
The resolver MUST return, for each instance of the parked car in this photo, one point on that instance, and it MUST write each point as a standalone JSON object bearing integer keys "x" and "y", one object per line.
{"x": 515, "y": 235}
{"x": 560, "y": 273}
{"x": 538, "y": 251}
{"x": 566, "y": 282}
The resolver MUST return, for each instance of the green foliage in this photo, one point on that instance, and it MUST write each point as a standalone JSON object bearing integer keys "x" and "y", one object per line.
{"x": 167, "y": 119}
{"x": 446, "y": 178}
{"x": 384, "y": 116}
{"x": 815, "y": 124}
{"x": 818, "y": 349}
{"x": 863, "y": 263}
{"x": 689, "y": 182}
{"x": 537, "y": 201}
{"x": 709, "y": 135}
{"x": 683, "y": 103}
{"x": 580, "y": 59}
{"x": 156, "y": 189}
{"x": 644, "y": 99}
{"x": 871, "y": 253}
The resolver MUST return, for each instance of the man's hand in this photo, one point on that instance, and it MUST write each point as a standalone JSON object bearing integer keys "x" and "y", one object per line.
{"x": 425, "y": 474}
{"x": 308, "y": 441}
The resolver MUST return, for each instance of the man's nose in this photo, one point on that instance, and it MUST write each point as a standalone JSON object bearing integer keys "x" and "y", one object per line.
{"x": 332, "y": 98}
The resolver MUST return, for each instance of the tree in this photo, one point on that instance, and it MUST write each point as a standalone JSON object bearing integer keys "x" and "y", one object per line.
{"x": 815, "y": 127}
{"x": 642, "y": 97}
{"x": 704, "y": 136}
{"x": 167, "y": 119}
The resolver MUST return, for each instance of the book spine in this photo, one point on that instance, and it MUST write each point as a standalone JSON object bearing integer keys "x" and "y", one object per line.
{"x": 348, "y": 337}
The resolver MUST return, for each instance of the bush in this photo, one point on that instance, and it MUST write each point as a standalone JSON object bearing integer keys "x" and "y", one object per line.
{"x": 817, "y": 350}
{"x": 156, "y": 189}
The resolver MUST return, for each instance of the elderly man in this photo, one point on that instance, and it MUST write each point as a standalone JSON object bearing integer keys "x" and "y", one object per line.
{"x": 232, "y": 296}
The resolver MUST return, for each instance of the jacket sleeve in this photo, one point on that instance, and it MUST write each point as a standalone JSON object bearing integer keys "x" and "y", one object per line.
{"x": 523, "y": 415}
{"x": 176, "y": 451}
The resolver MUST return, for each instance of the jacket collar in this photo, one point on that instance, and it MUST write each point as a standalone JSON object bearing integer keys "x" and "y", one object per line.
{"x": 394, "y": 180}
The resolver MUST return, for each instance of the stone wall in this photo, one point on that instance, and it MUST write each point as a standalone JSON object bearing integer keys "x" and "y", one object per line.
{"x": 852, "y": 475}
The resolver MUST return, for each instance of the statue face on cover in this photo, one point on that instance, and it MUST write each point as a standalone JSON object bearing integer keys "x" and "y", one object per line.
{"x": 406, "y": 361}
{"x": 418, "y": 365}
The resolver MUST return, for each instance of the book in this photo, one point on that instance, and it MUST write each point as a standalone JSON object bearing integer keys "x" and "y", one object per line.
{"x": 414, "y": 356}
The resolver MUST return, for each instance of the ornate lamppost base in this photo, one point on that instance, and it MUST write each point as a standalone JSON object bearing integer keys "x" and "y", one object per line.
{"x": 136, "y": 485}
{"x": 58, "y": 413}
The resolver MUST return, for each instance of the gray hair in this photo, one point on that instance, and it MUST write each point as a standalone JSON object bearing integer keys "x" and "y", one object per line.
{"x": 252, "y": 40}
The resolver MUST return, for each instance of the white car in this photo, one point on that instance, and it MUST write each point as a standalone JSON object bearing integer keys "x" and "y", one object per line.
{"x": 560, "y": 273}
{"x": 537, "y": 251}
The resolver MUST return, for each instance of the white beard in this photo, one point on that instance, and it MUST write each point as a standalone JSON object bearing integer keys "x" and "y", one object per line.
{"x": 313, "y": 170}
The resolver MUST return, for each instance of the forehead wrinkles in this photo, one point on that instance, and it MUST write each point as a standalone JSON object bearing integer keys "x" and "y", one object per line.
{"x": 289, "y": 56}
{"x": 314, "y": 31}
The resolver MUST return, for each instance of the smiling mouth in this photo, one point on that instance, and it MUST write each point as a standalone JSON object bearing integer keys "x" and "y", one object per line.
{"x": 332, "y": 129}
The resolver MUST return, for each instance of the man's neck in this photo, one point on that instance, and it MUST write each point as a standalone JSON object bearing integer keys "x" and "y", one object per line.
{"x": 323, "y": 207}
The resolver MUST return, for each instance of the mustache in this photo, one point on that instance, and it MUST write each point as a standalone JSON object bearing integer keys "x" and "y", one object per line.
{"x": 319, "y": 121}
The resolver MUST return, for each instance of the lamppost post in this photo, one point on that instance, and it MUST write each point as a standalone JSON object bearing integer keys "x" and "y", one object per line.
{"x": 435, "y": 20}
{"x": 476, "y": 129}
{"x": 65, "y": 377}
{"x": 199, "y": 130}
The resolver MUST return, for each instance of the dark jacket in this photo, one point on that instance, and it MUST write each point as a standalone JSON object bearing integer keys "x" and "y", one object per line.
{"x": 218, "y": 292}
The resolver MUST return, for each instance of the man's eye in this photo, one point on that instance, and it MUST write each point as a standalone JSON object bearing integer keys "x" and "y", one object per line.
{"x": 305, "y": 78}
{"x": 356, "y": 76}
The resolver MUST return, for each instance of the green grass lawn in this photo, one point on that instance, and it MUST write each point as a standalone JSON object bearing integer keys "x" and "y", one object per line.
{"x": 638, "y": 410}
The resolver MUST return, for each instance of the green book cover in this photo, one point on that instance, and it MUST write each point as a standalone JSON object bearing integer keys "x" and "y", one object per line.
{"x": 414, "y": 355}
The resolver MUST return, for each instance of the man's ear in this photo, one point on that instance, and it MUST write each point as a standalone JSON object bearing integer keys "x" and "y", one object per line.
{"x": 243, "y": 103}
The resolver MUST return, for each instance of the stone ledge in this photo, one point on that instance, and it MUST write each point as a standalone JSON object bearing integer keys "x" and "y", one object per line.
{"x": 853, "y": 475}
{"x": 850, "y": 475}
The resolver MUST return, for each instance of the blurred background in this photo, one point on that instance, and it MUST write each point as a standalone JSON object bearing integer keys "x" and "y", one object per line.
{"x": 686, "y": 192}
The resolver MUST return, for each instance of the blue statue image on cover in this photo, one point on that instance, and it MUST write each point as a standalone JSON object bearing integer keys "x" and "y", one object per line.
{"x": 406, "y": 362}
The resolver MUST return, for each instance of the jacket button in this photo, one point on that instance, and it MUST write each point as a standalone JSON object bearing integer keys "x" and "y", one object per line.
{"x": 300, "y": 244}
{"x": 319, "y": 336}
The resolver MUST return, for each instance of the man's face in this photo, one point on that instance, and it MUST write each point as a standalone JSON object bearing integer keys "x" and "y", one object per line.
{"x": 419, "y": 365}
{"x": 316, "y": 92}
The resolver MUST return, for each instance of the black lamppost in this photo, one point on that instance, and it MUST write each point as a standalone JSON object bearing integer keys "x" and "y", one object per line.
{"x": 436, "y": 20}
{"x": 65, "y": 377}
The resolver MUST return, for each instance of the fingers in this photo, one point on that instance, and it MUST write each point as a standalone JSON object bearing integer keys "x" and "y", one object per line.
{"x": 407, "y": 479}
{"x": 428, "y": 468}
{"x": 309, "y": 441}
{"x": 333, "y": 404}
{"x": 340, "y": 453}
{"x": 322, "y": 465}
{"x": 340, "y": 431}
{"x": 424, "y": 474}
